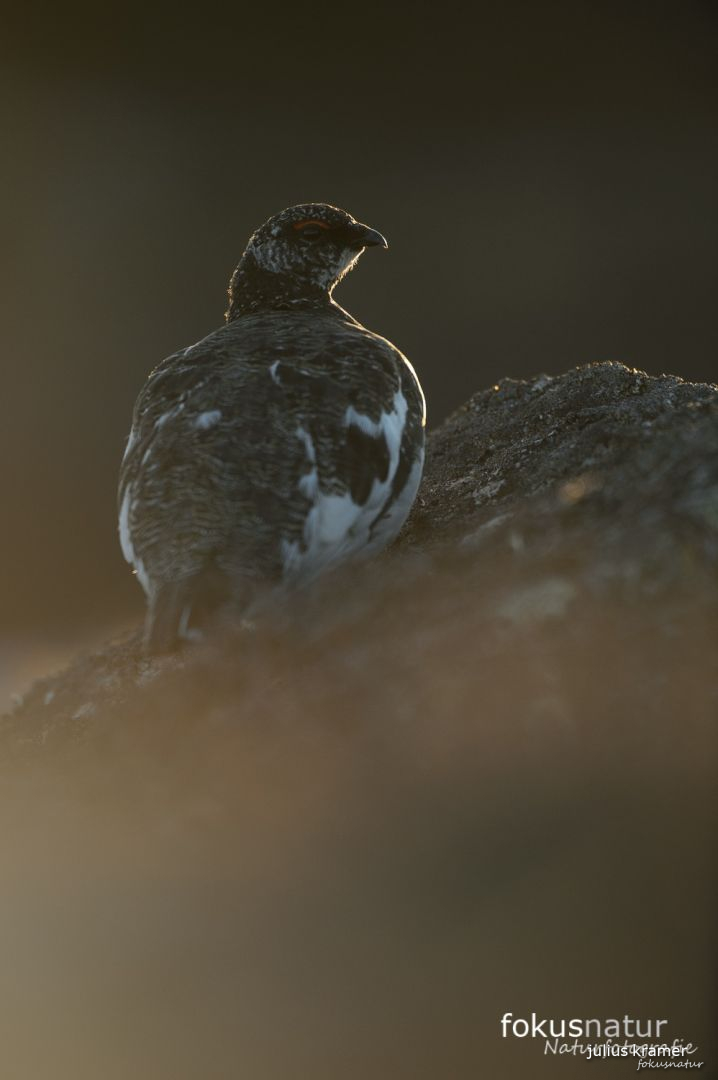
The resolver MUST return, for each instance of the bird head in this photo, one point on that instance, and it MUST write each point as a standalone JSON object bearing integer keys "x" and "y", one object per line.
{"x": 314, "y": 244}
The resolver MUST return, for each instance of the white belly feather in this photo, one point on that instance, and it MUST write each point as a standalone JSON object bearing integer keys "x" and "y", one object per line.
{"x": 337, "y": 527}
{"x": 126, "y": 540}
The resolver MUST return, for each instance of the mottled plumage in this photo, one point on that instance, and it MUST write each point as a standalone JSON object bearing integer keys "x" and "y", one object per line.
{"x": 284, "y": 442}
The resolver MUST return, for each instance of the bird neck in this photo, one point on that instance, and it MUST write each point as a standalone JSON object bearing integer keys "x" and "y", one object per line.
{"x": 253, "y": 289}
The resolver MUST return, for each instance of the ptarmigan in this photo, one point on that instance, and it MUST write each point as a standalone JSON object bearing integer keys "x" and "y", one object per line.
{"x": 283, "y": 443}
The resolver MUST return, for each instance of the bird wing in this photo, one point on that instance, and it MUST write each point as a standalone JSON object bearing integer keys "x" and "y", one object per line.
{"x": 362, "y": 429}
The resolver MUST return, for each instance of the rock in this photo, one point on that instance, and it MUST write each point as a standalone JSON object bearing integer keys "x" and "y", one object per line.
{"x": 473, "y": 774}
{"x": 546, "y": 499}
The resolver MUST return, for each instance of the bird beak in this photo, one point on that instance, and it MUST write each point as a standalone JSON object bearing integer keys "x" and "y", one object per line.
{"x": 361, "y": 236}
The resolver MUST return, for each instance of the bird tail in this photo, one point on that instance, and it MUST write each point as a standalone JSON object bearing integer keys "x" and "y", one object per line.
{"x": 179, "y": 609}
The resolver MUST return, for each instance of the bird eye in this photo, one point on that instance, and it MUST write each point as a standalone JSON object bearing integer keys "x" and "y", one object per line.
{"x": 310, "y": 230}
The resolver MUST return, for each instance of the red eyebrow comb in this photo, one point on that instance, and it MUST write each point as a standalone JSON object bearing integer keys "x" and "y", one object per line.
{"x": 302, "y": 224}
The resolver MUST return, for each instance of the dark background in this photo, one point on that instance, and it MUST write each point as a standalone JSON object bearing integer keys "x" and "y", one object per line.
{"x": 546, "y": 175}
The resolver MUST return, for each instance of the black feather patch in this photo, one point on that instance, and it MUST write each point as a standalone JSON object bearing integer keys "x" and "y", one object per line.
{"x": 363, "y": 459}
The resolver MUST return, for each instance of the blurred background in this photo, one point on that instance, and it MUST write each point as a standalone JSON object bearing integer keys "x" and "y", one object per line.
{"x": 547, "y": 177}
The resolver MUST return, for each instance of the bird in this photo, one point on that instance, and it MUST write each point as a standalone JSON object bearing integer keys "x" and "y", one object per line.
{"x": 284, "y": 443}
